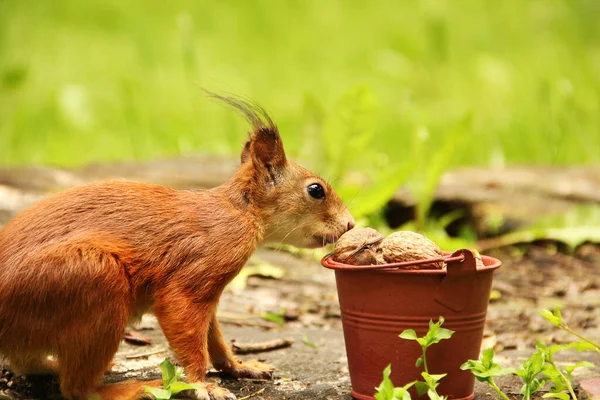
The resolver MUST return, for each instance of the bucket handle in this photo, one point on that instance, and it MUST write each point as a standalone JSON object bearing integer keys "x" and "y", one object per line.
{"x": 454, "y": 292}
{"x": 329, "y": 262}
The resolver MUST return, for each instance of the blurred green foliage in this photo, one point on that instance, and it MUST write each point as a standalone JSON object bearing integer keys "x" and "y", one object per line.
{"x": 367, "y": 93}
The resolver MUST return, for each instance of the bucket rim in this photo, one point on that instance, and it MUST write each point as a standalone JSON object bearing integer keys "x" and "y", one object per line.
{"x": 489, "y": 264}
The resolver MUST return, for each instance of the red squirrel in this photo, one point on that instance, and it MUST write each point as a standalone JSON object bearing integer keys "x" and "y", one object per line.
{"x": 80, "y": 265}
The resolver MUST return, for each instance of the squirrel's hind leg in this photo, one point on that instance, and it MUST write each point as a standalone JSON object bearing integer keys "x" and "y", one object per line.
{"x": 32, "y": 364}
{"x": 91, "y": 336}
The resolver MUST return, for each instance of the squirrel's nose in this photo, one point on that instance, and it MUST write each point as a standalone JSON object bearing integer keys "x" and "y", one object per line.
{"x": 351, "y": 223}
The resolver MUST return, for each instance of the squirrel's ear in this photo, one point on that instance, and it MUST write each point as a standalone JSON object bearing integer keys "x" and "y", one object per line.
{"x": 266, "y": 148}
{"x": 246, "y": 153}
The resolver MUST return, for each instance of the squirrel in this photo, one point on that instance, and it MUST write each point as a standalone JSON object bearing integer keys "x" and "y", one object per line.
{"x": 80, "y": 265}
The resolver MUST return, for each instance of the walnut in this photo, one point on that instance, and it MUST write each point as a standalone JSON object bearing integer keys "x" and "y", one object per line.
{"x": 405, "y": 246}
{"x": 359, "y": 246}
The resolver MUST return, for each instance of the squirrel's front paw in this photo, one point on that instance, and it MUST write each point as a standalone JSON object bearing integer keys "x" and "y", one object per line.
{"x": 208, "y": 391}
{"x": 249, "y": 369}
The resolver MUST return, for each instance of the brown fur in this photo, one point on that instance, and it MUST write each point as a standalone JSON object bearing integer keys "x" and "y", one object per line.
{"x": 78, "y": 266}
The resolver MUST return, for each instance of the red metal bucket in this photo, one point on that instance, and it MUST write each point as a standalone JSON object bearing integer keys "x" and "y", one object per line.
{"x": 378, "y": 302}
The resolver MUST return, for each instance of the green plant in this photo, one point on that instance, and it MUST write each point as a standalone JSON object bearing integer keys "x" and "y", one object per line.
{"x": 540, "y": 368}
{"x": 556, "y": 319}
{"x": 434, "y": 335}
{"x": 430, "y": 382}
{"x": 561, "y": 380}
{"x": 308, "y": 343}
{"x": 429, "y": 386}
{"x": 578, "y": 225}
{"x": 530, "y": 372}
{"x": 430, "y": 160}
{"x": 171, "y": 383}
{"x": 387, "y": 391}
{"x": 486, "y": 369}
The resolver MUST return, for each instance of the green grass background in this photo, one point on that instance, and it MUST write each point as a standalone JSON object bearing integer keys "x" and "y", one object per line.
{"x": 352, "y": 84}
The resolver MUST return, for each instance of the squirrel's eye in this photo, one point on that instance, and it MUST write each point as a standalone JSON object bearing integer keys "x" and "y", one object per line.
{"x": 316, "y": 191}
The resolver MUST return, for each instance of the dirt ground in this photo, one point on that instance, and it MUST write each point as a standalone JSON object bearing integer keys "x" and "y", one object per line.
{"x": 532, "y": 278}
{"x": 526, "y": 284}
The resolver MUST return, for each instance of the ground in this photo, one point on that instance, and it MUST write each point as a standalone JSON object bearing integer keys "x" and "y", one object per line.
{"x": 531, "y": 278}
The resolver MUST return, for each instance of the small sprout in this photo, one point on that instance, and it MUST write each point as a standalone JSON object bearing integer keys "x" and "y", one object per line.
{"x": 278, "y": 318}
{"x": 307, "y": 342}
{"x": 171, "y": 385}
{"x": 530, "y": 373}
{"x": 387, "y": 391}
{"x": 486, "y": 369}
{"x": 540, "y": 368}
{"x": 561, "y": 380}
{"x": 434, "y": 335}
{"x": 429, "y": 386}
{"x": 556, "y": 319}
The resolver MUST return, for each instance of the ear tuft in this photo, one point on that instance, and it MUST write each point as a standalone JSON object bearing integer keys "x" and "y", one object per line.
{"x": 254, "y": 113}
{"x": 264, "y": 147}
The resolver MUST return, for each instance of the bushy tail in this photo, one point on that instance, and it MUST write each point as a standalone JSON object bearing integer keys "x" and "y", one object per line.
{"x": 127, "y": 390}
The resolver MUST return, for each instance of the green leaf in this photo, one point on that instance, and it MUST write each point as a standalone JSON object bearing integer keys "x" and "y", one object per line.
{"x": 580, "y": 346}
{"x": 529, "y": 370}
{"x": 436, "y": 333}
{"x": 307, "y": 342}
{"x": 487, "y": 356}
{"x": 419, "y": 362}
{"x": 159, "y": 393}
{"x": 442, "y": 334}
{"x": 539, "y": 383}
{"x": 169, "y": 374}
{"x": 555, "y": 348}
{"x": 554, "y": 375}
{"x": 409, "y": 334}
{"x": 553, "y": 318}
{"x": 402, "y": 393}
{"x": 429, "y": 380}
{"x": 557, "y": 312}
{"x": 436, "y": 377}
{"x": 177, "y": 387}
{"x": 469, "y": 365}
{"x": 477, "y": 369}
{"x": 571, "y": 236}
{"x": 421, "y": 387}
{"x": 432, "y": 394}
{"x": 562, "y": 396}
{"x": 497, "y": 370}
{"x": 580, "y": 364}
{"x": 275, "y": 317}
{"x": 385, "y": 391}
{"x": 541, "y": 346}
{"x": 536, "y": 362}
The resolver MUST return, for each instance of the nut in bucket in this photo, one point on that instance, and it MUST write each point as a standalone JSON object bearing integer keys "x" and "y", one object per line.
{"x": 366, "y": 246}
